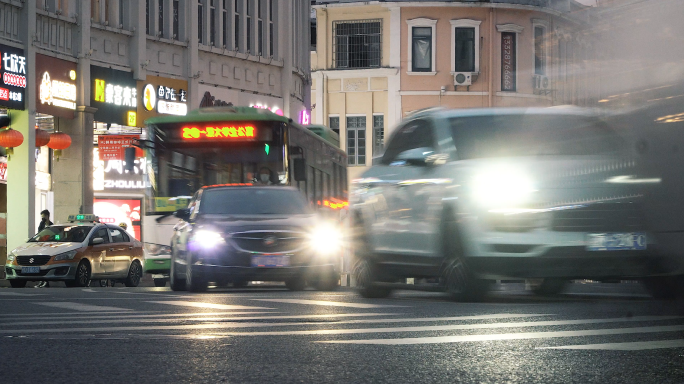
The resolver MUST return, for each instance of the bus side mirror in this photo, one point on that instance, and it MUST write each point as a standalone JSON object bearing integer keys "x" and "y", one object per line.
{"x": 129, "y": 158}
{"x": 299, "y": 169}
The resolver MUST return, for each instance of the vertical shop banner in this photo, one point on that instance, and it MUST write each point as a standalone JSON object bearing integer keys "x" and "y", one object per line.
{"x": 112, "y": 147}
{"x": 161, "y": 96}
{"x": 115, "y": 95}
{"x": 13, "y": 71}
{"x": 55, "y": 86}
{"x": 115, "y": 212}
{"x": 508, "y": 62}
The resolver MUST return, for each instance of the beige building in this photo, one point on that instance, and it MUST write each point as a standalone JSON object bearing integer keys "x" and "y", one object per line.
{"x": 377, "y": 62}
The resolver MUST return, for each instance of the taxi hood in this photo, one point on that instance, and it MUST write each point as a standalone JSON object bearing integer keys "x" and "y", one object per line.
{"x": 45, "y": 248}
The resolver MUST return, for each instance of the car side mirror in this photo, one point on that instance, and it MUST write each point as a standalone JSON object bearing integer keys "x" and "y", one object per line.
{"x": 299, "y": 169}
{"x": 97, "y": 241}
{"x": 417, "y": 156}
{"x": 183, "y": 214}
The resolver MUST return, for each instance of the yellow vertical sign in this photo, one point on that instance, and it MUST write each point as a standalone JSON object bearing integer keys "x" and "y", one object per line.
{"x": 99, "y": 90}
{"x": 132, "y": 119}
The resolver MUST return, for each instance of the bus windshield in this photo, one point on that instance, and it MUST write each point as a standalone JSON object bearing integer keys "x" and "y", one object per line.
{"x": 182, "y": 161}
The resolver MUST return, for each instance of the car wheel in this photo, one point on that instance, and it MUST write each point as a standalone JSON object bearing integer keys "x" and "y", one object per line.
{"x": 295, "y": 284}
{"x": 366, "y": 281}
{"x": 240, "y": 283}
{"x": 177, "y": 284}
{"x": 665, "y": 287}
{"x": 160, "y": 283}
{"x": 134, "y": 274}
{"x": 82, "y": 278}
{"x": 459, "y": 283}
{"x": 549, "y": 287}
{"x": 18, "y": 283}
{"x": 195, "y": 281}
{"x": 104, "y": 283}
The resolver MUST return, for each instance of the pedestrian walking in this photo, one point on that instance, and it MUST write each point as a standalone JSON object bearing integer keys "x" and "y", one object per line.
{"x": 44, "y": 223}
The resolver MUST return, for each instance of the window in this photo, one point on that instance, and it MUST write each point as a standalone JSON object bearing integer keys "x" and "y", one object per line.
{"x": 147, "y": 17}
{"x": 212, "y": 22}
{"x": 313, "y": 34}
{"x": 509, "y": 56}
{"x": 176, "y": 32}
{"x": 357, "y": 44}
{"x": 160, "y": 28}
{"x": 117, "y": 236}
{"x": 225, "y": 19}
{"x": 248, "y": 24}
{"x": 421, "y": 45}
{"x": 465, "y": 47}
{"x": 335, "y": 124}
{"x": 415, "y": 134}
{"x": 378, "y": 134}
{"x": 236, "y": 44}
{"x": 539, "y": 50}
{"x": 121, "y": 12}
{"x": 271, "y": 37}
{"x": 260, "y": 30}
{"x": 200, "y": 19}
{"x": 356, "y": 140}
{"x": 101, "y": 233}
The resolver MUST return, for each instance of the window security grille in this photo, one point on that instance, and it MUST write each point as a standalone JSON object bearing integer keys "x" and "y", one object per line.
{"x": 358, "y": 44}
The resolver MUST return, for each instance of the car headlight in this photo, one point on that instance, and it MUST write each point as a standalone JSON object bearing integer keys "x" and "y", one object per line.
{"x": 11, "y": 256}
{"x": 326, "y": 240}
{"x": 207, "y": 239}
{"x": 502, "y": 187}
{"x": 66, "y": 256}
{"x": 157, "y": 249}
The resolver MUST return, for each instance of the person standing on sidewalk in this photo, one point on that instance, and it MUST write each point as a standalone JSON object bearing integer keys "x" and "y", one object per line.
{"x": 44, "y": 223}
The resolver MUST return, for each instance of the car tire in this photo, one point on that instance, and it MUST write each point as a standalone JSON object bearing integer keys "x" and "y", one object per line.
{"x": 366, "y": 280}
{"x": 160, "y": 283}
{"x": 195, "y": 281}
{"x": 82, "y": 278}
{"x": 549, "y": 287}
{"x": 104, "y": 283}
{"x": 459, "y": 282}
{"x": 295, "y": 284}
{"x": 176, "y": 283}
{"x": 18, "y": 283}
{"x": 134, "y": 274}
{"x": 665, "y": 287}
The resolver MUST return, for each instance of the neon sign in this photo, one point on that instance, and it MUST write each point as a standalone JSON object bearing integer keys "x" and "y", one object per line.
{"x": 304, "y": 117}
{"x": 274, "y": 109}
{"x": 57, "y": 93}
{"x": 232, "y": 132}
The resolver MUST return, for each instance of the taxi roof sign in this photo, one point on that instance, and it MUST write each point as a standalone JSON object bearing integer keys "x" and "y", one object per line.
{"x": 84, "y": 218}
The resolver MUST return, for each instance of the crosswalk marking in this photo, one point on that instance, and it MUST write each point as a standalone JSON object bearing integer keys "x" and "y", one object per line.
{"x": 510, "y": 336}
{"x": 627, "y": 346}
{"x": 80, "y": 307}
{"x": 328, "y": 303}
{"x": 197, "y": 304}
{"x": 10, "y": 293}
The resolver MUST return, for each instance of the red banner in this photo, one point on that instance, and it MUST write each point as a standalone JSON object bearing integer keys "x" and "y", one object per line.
{"x": 111, "y": 147}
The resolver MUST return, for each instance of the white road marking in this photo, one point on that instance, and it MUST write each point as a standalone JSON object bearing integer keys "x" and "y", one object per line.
{"x": 8, "y": 293}
{"x": 630, "y": 346}
{"x": 510, "y": 336}
{"x": 80, "y": 307}
{"x": 88, "y": 290}
{"x": 197, "y": 304}
{"x": 191, "y": 326}
{"x": 119, "y": 315}
{"x": 329, "y": 303}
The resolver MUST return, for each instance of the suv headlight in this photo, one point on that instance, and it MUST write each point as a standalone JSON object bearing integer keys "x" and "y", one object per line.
{"x": 326, "y": 240}
{"x": 11, "y": 256}
{"x": 207, "y": 239}
{"x": 502, "y": 187}
{"x": 66, "y": 256}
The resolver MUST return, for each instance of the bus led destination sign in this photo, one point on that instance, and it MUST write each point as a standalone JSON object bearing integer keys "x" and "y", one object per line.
{"x": 218, "y": 133}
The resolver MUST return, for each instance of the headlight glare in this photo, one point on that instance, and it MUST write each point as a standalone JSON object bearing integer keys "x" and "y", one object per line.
{"x": 66, "y": 256}
{"x": 325, "y": 240}
{"x": 502, "y": 187}
{"x": 207, "y": 239}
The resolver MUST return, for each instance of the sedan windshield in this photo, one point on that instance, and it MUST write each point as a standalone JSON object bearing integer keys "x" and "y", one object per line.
{"x": 62, "y": 234}
{"x": 253, "y": 201}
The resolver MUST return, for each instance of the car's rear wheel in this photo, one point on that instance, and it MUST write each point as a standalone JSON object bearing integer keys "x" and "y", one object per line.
{"x": 459, "y": 282}
{"x": 82, "y": 278}
{"x": 295, "y": 284}
{"x": 134, "y": 274}
{"x": 549, "y": 287}
{"x": 177, "y": 284}
{"x": 195, "y": 280}
{"x": 18, "y": 283}
{"x": 366, "y": 280}
{"x": 160, "y": 282}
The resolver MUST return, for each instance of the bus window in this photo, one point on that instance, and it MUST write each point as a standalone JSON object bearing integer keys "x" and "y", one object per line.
{"x": 310, "y": 183}
{"x": 319, "y": 187}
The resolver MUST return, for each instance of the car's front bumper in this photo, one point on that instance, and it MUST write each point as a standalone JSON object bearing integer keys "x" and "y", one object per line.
{"x": 50, "y": 272}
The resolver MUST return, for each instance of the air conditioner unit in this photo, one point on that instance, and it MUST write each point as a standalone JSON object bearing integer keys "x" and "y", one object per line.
{"x": 542, "y": 83}
{"x": 462, "y": 78}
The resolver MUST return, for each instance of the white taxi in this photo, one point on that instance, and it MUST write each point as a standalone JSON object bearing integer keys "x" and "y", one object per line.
{"x": 75, "y": 253}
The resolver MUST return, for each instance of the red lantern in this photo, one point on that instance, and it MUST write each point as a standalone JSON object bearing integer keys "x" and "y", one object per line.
{"x": 10, "y": 138}
{"x": 58, "y": 142}
{"x": 42, "y": 138}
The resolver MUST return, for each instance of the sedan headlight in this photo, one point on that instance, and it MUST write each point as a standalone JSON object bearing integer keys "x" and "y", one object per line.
{"x": 11, "y": 256}
{"x": 156, "y": 249}
{"x": 66, "y": 256}
{"x": 326, "y": 240}
{"x": 207, "y": 239}
{"x": 502, "y": 187}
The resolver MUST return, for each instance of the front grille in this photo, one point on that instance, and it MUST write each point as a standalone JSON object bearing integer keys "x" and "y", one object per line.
{"x": 37, "y": 260}
{"x": 258, "y": 241}
{"x": 600, "y": 217}
{"x": 519, "y": 222}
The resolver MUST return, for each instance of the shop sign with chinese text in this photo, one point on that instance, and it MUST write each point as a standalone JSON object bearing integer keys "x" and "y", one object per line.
{"x": 162, "y": 96}
{"x": 115, "y": 95}
{"x": 13, "y": 70}
{"x": 56, "y": 86}
{"x": 112, "y": 147}
{"x": 508, "y": 62}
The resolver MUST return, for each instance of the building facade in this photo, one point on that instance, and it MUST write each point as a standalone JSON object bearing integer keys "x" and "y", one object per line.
{"x": 95, "y": 70}
{"x": 377, "y": 62}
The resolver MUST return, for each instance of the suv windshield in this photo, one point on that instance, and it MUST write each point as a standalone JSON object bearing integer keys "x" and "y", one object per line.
{"x": 62, "y": 234}
{"x": 253, "y": 201}
{"x": 532, "y": 135}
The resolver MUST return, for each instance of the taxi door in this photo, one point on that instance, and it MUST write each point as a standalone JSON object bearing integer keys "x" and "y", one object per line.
{"x": 99, "y": 252}
{"x": 122, "y": 251}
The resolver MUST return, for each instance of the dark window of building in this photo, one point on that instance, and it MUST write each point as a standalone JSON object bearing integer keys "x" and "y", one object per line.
{"x": 421, "y": 51}
{"x": 225, "y": 22}
{"x": 212, "y": 22}
{"x": 539, "y": 51}
{"x": 378, "y": 134}
{"x": 508, "y": 62}
{"x": 313, "y": 35}
{"x": 147, "y": 17}
{"x": 271, "y": 36}
{"x": 356, "y": 140}
{"x": 200, "y": 19}
{"x": 160, "y": 7}
{"x": 248, "y": 24}
{"x": 358, "y": 44}
{"x": 335, "y": 124}
{"x": 237, "y": 27}
{"x": 176, "y": 20}
{"x": 465, "y": 50}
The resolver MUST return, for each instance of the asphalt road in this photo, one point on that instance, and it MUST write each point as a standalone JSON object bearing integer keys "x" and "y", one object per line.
{"x": 600, "y": 334}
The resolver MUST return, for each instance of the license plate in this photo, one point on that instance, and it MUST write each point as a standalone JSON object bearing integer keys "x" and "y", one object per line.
{"x": 30, "y": 269}
{"x": 264, "y": 261}
{"x": 616, "y": 241}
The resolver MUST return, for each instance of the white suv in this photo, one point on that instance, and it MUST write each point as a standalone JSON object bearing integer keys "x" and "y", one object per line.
{"x": 470, "y": 196}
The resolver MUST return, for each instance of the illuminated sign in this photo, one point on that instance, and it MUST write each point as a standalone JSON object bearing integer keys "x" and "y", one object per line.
{"x": 57, "y": 93}
{"x": 171, "y": 108}
{"x": 273, "y": 109}
{"x": 132, "y": 119}
{"x": 112, "y": 175}
{"x": 304, "y": 117}
{"x": 13, "y": 74}
{"x": 231, "y": 132}
{"x": 115, "y": 95}
{"x": 149, "y": 97}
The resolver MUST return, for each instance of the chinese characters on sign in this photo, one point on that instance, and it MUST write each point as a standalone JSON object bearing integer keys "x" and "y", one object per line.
{"x": 233, "y": 132}
{"x": 111, "y": 147}
{"x": 508, "y": 62}
{"x": 14, "y": 81}
{"x": 57, "y": 93}
{"x": 56, "y": 86}
{"x": 112, "y": 175}
{"x": 115, "y": 95}
{"x": 160, "y": 95}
